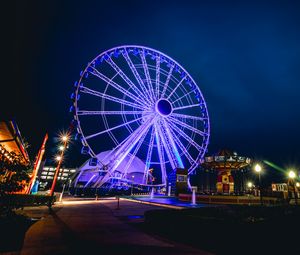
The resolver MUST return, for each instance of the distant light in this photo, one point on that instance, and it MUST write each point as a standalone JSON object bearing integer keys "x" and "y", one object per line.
{"x": 250, "y": 184}
{"x": 61, "y": 147}
{"x": 257, "y": 168}
{"x": 297, "y": 184}
{"x": 132, "y": 176}
{"x": 292, "y": 174}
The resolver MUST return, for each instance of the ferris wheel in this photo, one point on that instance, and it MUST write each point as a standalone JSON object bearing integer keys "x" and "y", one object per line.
{"x": 138, "y": 102}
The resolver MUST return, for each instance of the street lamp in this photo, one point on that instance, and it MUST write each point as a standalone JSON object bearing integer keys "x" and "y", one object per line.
{"x": 59, "y": 158}
{"x": 258, "y": 169}
{"x": 64, "y": 138}
{"x": 291, "y": 177}
{"x": 250, "y": 186}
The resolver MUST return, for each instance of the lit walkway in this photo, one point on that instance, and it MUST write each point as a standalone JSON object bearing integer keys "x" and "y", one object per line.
{"x": 168, "y": 201}
{"x": 96, "y": 227}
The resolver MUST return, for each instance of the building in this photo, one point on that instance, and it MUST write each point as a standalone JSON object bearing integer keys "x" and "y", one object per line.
{"x": 14, "y": 158}
{"x": 11, "y": 143}
{"x": 46, "y": 174}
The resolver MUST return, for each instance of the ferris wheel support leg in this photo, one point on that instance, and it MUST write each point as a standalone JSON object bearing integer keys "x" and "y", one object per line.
{"x": 123, "y": 151}
{"x": 89, "y": 181}
{"x": 77, "y": 178}
{"x": 134, "y": 153}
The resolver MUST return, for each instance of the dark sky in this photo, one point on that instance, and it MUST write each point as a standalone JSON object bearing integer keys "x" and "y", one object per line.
{"x": 244, "y": 55}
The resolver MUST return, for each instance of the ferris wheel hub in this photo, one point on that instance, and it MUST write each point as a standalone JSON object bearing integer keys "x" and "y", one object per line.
{"x": 163, "y": 107}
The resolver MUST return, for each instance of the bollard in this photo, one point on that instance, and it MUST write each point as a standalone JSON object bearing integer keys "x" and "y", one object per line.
{"x": 169, "y": 190}
{"x": 152, "y": 193}
{"x": 194, "y": 197}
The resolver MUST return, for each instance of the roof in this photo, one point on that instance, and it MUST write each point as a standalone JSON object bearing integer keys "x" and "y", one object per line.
{"x": 226, "y": 159}
{"x": 11, "y": 140}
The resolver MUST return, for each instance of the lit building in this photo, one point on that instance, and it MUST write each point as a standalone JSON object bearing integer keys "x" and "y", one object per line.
{"x": 13, "y": 155}
{"x": 11, "y": 143}
{"x": 46, "y": 174}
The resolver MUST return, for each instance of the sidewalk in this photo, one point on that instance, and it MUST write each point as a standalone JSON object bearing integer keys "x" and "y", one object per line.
{"x": 95, "y": 227}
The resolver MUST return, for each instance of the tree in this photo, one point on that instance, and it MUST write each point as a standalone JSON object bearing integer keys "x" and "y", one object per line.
{"x": 13, "y": 178}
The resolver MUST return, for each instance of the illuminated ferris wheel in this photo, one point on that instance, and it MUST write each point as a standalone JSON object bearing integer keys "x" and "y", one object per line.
{"x": 138, "y": 102}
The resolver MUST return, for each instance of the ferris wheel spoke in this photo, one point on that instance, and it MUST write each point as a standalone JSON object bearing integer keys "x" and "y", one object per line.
{"x": 157, "y": 74}
{"x": 84, "y": 112}
{"x": 124, "y": 77}
{"x": 185, "y": 95}
{"x": 182, "y": 148}
{"x": 167, "y": 81}
{"x": 186, "y": 137}
{"x": 183, "y": 124}
{"x": 123, "y": 150}
{"x": 113, "y": 128}
{"x": 147, "y": 74}
{"x": 118, "y": 87}
{"x": 136, "y": 74}
{"x": 149, "y": 156}
{"x": 172, "y": 144}
{"x": 173, "y": 91}
{"x": 160, "y": 155}
{"x": 111, "y": 98}
{"x": 166, "y": 146}
{"x": 178, "y": 115}
{"x": 132, "y": 156}
{"x": 185, "y": 107}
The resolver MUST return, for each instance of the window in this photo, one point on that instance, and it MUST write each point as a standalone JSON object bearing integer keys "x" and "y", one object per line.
{"x": 181, "y": 178}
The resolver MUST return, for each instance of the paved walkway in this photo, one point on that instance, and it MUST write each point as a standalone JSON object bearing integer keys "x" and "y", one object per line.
{"x": 96, "y": 227}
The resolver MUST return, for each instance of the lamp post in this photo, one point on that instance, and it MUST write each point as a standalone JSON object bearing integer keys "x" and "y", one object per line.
{"x": 257, "y": 169}
{"x": 59, "y": 159}
{"x": 291, "y": 177}
{"x": 297, "y": 186}
{"x": 249, "y": 185}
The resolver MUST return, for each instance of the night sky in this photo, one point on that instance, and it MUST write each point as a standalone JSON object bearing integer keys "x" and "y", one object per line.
{"x": 244, "y": 56}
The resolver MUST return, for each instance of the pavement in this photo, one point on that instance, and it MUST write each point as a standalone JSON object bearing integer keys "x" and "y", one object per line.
{"x": 96, "y": 227}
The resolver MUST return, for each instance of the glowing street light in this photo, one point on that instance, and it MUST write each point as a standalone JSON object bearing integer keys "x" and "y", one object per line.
{"x": 61, "y": 147}
{"x": 257, "y": 169}
{"x": 249, "y": 185}
{"x": 292, "y": 176}
{"x": 58, "y": 158}
{"x": 65, "y": 139}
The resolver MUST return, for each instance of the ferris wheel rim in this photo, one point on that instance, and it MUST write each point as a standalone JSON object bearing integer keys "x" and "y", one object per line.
{"x": 84, "y": 139}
